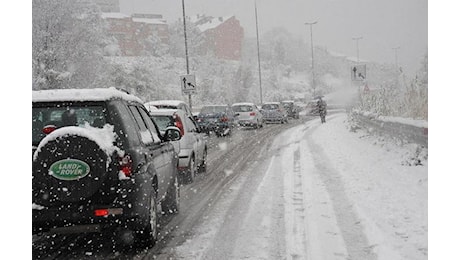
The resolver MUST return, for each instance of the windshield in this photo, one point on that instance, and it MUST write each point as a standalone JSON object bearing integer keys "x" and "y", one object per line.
{"x": 60, "y": 116}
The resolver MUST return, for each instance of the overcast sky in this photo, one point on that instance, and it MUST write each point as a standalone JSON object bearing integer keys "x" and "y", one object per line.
{"x": 383, "y": 24}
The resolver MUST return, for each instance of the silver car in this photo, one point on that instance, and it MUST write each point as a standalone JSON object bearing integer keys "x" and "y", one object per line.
{"x": 274, "y": 112}
{"x": 248, "y": 115}
{"x": 191, "y": 148}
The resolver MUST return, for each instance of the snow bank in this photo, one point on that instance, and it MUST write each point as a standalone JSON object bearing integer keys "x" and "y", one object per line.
{"x": 389, "y": 195}
{"x": 401, "y": 120}
{"x": 406, "y": 121}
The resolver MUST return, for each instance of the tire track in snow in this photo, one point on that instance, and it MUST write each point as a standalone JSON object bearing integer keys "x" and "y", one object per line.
{"x": 348, "y": 222}
{"x": 296, "y": 234}
{"x": 311, "y": 229}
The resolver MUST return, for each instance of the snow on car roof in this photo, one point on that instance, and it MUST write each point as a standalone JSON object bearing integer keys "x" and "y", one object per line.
{"x": 243, "y": 104}
{"x": 94, "y": 94}
{"x": 271, "y": 103}
{"x": 166, "y": 111}
{"x": 165, "y": 102}
{"x": 216, "y": 105}
{"x": 104, "y": 137}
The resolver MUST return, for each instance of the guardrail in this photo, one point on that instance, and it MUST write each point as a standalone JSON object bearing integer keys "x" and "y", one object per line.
{"x": 401, "y": 131}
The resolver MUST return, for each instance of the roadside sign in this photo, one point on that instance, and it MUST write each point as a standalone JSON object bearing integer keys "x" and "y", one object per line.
{"x": 188, "y": 84}
{"x": 366, "y": 89}
{"x": 358, "y": 72}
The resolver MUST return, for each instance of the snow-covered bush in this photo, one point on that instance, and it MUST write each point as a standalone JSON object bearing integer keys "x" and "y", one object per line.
{"x": 397, "y": 97}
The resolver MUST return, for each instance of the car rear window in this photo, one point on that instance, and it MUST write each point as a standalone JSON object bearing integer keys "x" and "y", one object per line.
{"x": 242, "y": 108}
{"x": 58, "y": 115}
{"x": 212, "y": 109}
{"x": 270, "y": 106}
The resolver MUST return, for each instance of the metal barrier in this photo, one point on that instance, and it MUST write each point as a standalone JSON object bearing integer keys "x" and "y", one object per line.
{"x": 403, "y": 132}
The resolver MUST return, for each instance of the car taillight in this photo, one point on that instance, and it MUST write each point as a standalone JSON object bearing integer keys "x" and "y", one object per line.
{"x": 252, "y": 113}
{"x": 126, "y": 165}
{"x": 101, "y": 212}
{"x": 178, "y": 123}
{"x": 224, "y": 119}
{"x": 48, "y": 129}
{"x": 108, "y": 211}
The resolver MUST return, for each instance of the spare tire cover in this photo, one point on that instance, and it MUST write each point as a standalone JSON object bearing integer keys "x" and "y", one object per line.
{"x": 69, "y": 168}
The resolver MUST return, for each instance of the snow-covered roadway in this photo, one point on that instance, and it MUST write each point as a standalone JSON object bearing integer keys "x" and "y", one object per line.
{"x": 318, "y": 191}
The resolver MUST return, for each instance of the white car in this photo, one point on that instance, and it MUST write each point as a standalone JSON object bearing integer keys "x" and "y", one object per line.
{"x": 247, "y": 114}
{"x": 192, "y": 147}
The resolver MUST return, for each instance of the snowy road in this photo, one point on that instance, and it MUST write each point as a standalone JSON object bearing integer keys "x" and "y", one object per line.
{"x": 305, "y": 190}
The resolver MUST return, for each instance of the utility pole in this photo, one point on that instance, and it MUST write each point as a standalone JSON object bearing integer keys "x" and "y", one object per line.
{"x": 357, "y": 47}
{"x": 312, "y": 59}
{"x": 186, "y": 51}
{"x": 258, "y": 53}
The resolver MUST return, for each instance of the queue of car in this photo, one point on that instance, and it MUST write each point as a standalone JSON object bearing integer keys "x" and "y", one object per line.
{"x": 102, "y": 158}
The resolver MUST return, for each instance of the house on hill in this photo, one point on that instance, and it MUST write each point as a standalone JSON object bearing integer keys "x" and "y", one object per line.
{"x": 137, "y": 33}
{"x": 224, "y": 35}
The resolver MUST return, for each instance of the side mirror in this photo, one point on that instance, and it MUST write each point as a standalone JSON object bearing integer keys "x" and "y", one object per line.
{"x": 172, "y": 133}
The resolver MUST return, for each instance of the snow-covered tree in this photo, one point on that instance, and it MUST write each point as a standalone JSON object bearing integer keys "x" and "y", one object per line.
{"x": 68, "y": 40}
{"x": 395, "y": 96}
{"x": 153, "y": 46}
{"x": 243, "y": 82}
{"x": 417, "y": 92}
{"x": 195, "y": 39}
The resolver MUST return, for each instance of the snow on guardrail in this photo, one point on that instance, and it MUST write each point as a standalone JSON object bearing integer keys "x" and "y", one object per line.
{"x": 411, "y": 131}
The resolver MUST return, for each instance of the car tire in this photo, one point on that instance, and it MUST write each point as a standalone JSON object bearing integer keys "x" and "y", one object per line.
{"x": 191, "y": 171}
{"x": 148, "y": 235}
{"x": 48, "y": 189}
{"x": 172, "y": 200}
{"x": 203, "y": 164}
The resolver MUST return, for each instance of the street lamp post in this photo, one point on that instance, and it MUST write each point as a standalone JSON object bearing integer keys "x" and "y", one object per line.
{"x": 357, "y": 47}
{"x": 186, "y": 51}
{"x": 258, "y": 53}
{"x": 312, "y": 59}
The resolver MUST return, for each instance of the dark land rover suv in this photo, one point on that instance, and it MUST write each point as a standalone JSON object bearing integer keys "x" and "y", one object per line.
{"x": 98, "y": 160}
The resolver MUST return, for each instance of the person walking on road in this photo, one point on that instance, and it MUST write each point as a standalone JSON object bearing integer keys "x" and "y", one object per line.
{"x": 322, "y": 109}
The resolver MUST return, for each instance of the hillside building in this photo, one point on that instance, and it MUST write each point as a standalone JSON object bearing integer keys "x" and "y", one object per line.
{"x": 137, "y": 33}
{"x": 223, "y": 35}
